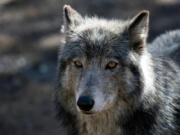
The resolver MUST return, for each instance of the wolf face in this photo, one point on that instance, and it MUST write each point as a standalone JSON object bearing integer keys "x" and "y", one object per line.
{"x": 104, "y": 63}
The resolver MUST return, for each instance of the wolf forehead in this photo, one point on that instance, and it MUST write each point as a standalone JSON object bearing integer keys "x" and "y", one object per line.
{"x": 98, "y": 30}
{"x": 96, "y": 37}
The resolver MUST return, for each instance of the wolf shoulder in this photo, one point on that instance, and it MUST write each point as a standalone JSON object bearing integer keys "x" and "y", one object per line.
{"x": 167, "y": 46}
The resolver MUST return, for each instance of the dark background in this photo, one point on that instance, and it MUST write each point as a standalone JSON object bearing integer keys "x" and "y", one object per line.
{"x": 29, "y": 39}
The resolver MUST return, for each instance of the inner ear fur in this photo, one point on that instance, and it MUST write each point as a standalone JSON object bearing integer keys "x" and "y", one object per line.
{"x": 138, "y": 31}
{"x": 71, "y": 17}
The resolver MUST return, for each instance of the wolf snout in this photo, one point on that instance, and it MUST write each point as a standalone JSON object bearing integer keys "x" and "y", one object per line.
{"x": 85, "y": 103}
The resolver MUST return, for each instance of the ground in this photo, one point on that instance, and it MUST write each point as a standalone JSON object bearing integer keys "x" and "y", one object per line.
{"x": 29, "y": 40}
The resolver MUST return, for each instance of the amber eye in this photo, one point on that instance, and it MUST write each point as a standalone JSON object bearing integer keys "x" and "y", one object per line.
{"x": 111, "y": 65}
{"x": 78, "y": 64}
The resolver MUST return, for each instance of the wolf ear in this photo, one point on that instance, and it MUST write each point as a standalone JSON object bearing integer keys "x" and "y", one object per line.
{"x": 71, "y": 18}
{"x": 138, "y": 31}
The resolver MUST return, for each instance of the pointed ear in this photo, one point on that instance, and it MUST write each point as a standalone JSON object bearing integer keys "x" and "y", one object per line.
{"x": 71, "y": 18}
{"x": 138, "y": 31}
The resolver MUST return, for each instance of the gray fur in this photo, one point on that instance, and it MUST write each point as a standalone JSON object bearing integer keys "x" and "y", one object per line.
{"x": 167, "y": 46}
{"x": 140, "y": 96}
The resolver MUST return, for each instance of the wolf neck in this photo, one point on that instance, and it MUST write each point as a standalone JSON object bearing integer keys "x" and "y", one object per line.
{"x": 148, "y": 79}
{"x": 110, "y": 123}
{"x": 105, "y": 123}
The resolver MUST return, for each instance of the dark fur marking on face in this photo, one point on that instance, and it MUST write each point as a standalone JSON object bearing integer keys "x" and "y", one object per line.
{"x": 137, "y": 76}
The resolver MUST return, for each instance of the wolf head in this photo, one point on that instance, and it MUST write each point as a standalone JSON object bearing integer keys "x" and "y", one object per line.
{"x": 104, "y": 64}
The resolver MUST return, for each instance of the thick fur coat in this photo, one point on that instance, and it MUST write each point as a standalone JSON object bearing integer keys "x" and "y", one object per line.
{"x": 110, "y": 82}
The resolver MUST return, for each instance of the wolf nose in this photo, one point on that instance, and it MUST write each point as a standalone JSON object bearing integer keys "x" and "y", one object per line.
{"x": 85, "y": 103}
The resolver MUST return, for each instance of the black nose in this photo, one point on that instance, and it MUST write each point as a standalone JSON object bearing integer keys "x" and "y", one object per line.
{"x": 85, "y": 103}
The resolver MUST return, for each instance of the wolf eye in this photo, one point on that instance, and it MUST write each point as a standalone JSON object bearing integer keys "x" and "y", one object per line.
{"x": 111, "y": 65}
{"x": 78, "y": 64}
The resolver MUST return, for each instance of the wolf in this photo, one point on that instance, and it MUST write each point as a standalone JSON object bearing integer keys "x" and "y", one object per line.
{"x": 110, "y": 81}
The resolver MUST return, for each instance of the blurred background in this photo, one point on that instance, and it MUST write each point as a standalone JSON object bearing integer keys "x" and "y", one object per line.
{"x": 29, "y": 39}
